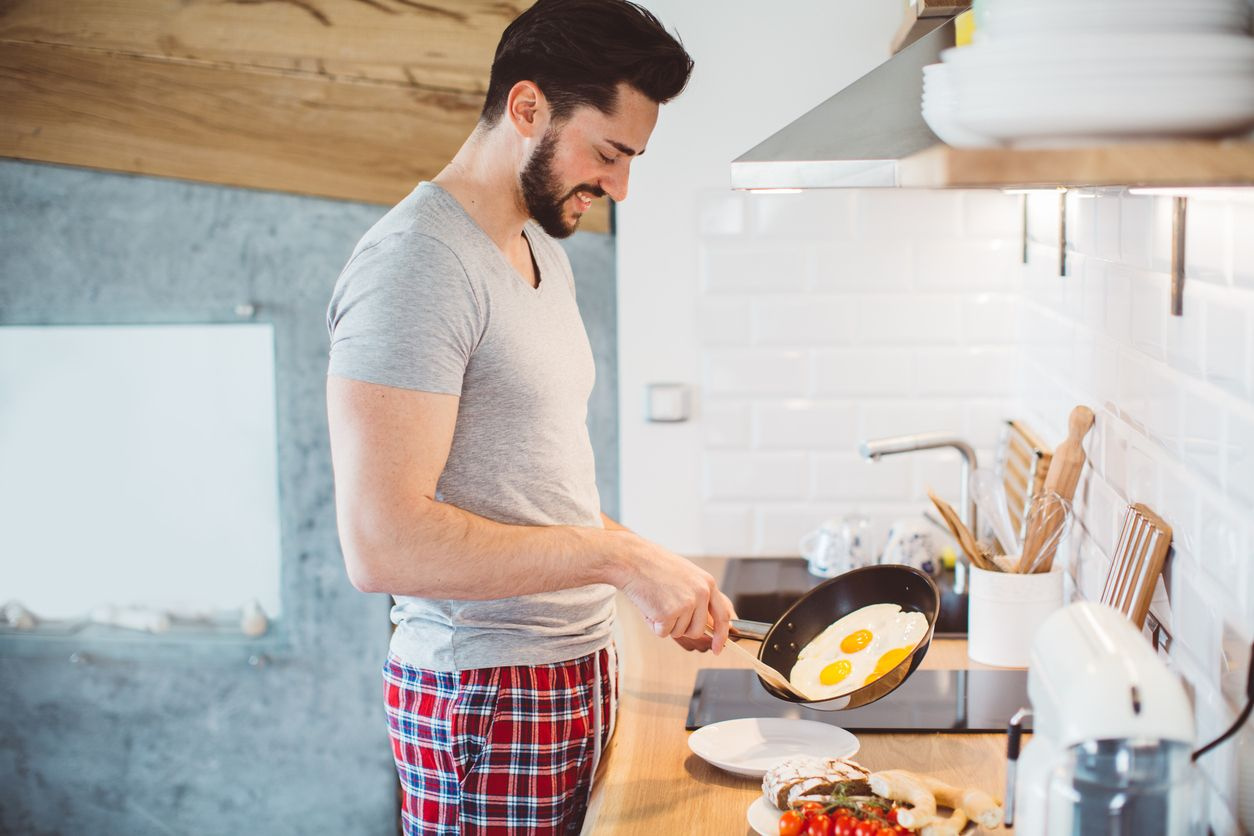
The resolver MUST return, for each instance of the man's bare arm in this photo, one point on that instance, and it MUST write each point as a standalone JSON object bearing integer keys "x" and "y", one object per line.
{"x": 389, "y": 447}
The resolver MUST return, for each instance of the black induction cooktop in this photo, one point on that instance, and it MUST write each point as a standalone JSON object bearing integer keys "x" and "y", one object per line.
{"x": 928, "y": 701}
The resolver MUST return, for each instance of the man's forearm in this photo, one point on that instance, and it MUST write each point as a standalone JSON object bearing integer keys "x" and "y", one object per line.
{"x": 443, "y": 551}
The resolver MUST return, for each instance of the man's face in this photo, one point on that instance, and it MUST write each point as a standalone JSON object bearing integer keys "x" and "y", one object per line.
{"x": 585, "y": 157}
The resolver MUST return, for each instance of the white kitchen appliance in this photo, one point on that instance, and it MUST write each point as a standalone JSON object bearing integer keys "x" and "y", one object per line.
{"x": 1113, "y": 733}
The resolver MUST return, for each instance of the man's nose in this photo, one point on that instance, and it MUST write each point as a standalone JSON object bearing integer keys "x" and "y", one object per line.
{"x": 615, "y": 184}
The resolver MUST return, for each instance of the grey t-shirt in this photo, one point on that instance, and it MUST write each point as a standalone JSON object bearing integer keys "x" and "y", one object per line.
{"x": 429, "y": 302}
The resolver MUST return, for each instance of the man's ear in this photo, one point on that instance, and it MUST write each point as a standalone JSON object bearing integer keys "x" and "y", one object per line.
{"x": 527, "y": 109}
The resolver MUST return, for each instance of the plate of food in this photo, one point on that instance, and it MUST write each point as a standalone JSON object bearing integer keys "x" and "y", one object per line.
{"x": 838, "y": 796}
{"x": 752, "y": 745}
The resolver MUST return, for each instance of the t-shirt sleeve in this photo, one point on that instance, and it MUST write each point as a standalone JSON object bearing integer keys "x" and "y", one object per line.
{"x": 403, "y": 314}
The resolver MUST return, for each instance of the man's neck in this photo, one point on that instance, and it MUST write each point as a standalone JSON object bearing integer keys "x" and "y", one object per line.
{"x": 483, "y": 178}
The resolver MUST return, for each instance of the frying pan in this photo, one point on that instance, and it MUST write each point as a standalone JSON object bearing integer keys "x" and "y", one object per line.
{"x": 819, "y": 608}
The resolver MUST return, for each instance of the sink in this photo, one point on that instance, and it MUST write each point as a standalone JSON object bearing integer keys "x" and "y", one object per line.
{"x": 761, "y": 588}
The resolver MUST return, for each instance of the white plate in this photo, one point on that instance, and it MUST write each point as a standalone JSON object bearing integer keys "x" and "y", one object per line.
{"x": 763, "y": 817}
{"x": 755, "y": 744}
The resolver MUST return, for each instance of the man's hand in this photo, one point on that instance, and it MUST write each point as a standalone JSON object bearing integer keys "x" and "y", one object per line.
{"x": 679, "y": 599}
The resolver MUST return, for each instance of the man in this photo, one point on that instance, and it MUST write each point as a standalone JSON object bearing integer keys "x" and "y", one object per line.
{"x": 457, "y": 398}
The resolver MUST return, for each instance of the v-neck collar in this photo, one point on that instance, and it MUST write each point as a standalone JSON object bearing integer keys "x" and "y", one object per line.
{"x": 503, "y": 259}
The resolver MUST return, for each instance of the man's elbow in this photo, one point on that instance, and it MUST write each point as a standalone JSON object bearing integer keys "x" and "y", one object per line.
{"x": 362, "y": 562}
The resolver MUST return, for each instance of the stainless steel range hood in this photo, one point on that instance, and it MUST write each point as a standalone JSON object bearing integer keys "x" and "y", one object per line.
{"x": 855, "y": 138}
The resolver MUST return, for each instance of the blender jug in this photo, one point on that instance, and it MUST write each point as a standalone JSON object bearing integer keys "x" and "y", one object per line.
{"x": 1124, "y": 787}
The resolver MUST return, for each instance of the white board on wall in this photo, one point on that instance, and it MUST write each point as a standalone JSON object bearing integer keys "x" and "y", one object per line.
{"x": 138, "y": 466}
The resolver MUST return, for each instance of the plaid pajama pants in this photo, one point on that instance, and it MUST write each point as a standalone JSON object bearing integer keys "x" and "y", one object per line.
{"x": 508, "y": 750}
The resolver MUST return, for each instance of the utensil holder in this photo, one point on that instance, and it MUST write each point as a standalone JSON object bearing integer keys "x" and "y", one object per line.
{"x": 1004, "y": 611}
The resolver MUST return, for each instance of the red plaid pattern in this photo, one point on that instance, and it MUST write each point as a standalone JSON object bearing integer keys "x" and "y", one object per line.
{"x": 499, "y": 750}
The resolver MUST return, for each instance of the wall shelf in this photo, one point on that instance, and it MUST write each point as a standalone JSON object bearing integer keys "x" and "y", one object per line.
{"x": 1158, "y": 164}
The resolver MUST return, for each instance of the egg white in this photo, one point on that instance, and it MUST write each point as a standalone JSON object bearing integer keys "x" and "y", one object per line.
{"x": 890, "y": 629}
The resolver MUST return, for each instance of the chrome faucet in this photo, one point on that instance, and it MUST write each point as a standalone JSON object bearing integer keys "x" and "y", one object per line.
{"x": 874, "y": 448}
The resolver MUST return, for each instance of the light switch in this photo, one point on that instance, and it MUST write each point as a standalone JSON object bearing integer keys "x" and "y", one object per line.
{"x": 666, "y": 402}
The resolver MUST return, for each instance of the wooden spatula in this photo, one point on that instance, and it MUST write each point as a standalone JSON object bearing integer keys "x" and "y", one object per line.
{"x": 961, "y": 533}
{"x": 763, "y": 669}
{"x": 1065, "y": 468}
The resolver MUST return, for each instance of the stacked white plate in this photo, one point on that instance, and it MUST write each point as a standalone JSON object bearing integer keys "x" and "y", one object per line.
{"x": 1070, "y": 72}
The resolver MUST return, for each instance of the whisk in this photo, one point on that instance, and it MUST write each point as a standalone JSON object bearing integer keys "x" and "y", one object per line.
{"x": 1048, "y": 519}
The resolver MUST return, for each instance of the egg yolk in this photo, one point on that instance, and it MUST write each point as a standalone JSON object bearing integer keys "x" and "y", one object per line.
{"x": 891, "y": 659}
{"x": 835, "y": 672}
{"x": 856, "y": 641}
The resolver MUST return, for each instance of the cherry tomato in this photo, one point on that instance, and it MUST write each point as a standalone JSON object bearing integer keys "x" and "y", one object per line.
{"x": 865, "y": 828}
{"x": 820, "y": 825}
{"x": 843, "y": 825}
{"x": 791, "y": 824}
{"x": 810, "y": 809}
{"x": 892, "y": 815}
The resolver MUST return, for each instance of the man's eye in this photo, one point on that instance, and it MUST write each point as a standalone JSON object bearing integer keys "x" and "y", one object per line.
{"x": 605, "y": 158}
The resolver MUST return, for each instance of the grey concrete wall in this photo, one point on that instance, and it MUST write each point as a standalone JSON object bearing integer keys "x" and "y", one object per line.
{"x": 107, "y": 734}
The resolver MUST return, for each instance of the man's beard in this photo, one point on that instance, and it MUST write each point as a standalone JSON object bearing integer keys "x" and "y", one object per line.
{"x": 544, "y": 195}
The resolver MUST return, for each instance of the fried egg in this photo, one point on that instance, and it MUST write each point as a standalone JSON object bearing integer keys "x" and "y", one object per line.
{"x": 857, "y": 650}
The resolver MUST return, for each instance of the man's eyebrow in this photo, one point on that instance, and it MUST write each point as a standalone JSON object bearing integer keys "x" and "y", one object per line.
{"x": 626, "y": 149}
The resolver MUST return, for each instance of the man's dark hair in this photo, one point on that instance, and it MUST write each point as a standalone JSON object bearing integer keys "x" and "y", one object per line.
{"x": 578, "y": 51}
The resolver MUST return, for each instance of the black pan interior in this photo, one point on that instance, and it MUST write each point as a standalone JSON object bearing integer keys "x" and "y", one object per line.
{"x": 818, "y": 609}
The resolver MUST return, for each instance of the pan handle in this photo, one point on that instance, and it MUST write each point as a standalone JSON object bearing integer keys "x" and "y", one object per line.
{"x": 744, "y": 629}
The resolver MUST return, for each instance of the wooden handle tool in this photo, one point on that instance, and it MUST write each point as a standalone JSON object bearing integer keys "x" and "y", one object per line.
{"x": 961, "y": 533}
{"x": 1065, "y": 467}
{"x": 763, "y": 669}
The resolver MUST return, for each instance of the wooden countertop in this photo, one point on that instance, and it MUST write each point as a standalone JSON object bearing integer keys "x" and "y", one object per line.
{"x": 650, "y": 783}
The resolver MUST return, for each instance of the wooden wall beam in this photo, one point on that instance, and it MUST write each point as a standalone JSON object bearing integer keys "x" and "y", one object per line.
{"x": 352, "y": 100}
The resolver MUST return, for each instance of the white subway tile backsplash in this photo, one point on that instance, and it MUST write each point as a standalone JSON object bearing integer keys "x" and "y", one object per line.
{"x": 848, "y": 476}
{"x": 1243, "y": 243}
{"x": 967, "y": 371}
{"x": 895, "y": 214}
{"x": 1082, "y": 207}
{"x": 1227, "y": 330}
{"x": 1043, "y": 218}
{"x": 755, "y": 476}
{"x": 990, "y": 318}
{"x": 1118, "y": 306}
{"x": 1202, "y": 440}
{"x": 964, "y": 264}
{"x": 1183, "y": 336}
{"x": 779, "y": 529}
{"x": 863, "y": 265}
{"x": 735, "y": 267}
{"x": 769, "y": 372}
{"x": 726, "y": 423}
{"x": 864, "y": 371}
{"x": 804, "y": 321}
{"x": 725, "y": 322}
{"x": 1137, "y": 215}
{"x": 1149, "y": 297}
{"x": 814, "y": 215}
{"x": 992, "y": 214}
{"x": 1104, "y": 509}
{"x": 898, "y": 417}
{"x": 1240, "y": 457}
{"x": 721, "y": 213}
{"x": 908, "y": 320}
{"x": 1107, "y": 219}
{"x": 805, "y": 425}
{"x": 1208, "y": 234}
{"x": 727, "y": 530}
